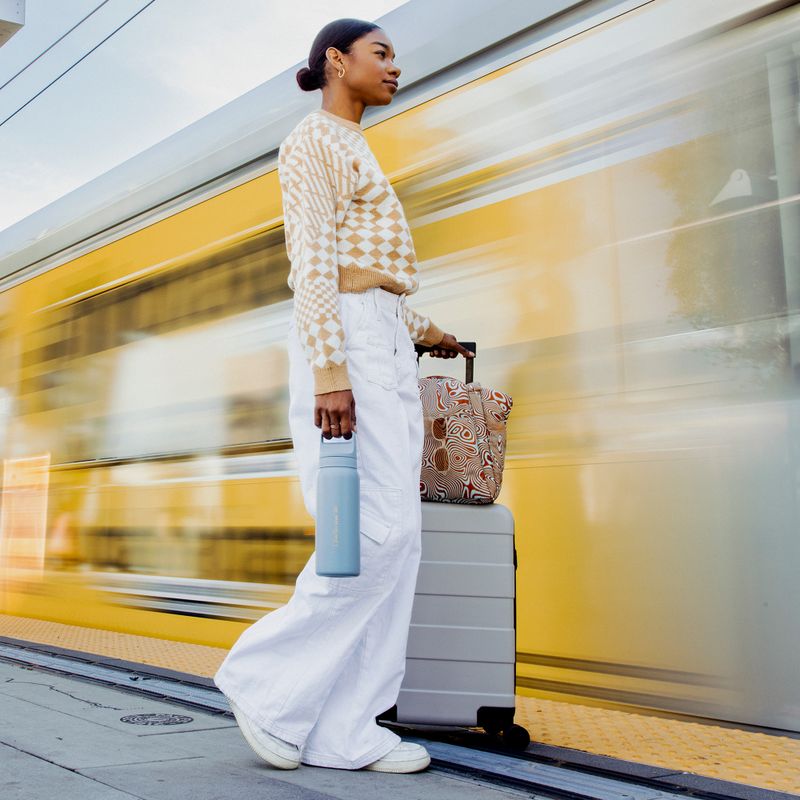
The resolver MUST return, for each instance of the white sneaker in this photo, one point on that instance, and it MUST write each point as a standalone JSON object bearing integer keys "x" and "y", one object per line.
{"x": 406, "y": 757}
{"x": 273, "y": 750}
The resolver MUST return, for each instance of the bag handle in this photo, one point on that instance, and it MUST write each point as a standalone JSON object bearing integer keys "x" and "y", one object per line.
{"x": 421, "y": 349}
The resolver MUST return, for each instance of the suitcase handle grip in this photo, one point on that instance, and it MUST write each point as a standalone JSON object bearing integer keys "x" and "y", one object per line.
{"x": 421, "y": 349}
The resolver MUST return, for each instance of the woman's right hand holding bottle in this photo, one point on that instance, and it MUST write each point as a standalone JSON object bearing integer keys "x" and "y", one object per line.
{"x": 335, "y": 413}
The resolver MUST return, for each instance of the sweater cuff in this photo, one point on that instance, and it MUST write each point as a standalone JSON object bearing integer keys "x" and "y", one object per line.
{"x": 433, "y": 336}
{"x": 331, "y": 379}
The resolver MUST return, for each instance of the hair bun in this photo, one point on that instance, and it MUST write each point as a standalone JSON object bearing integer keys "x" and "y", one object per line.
{"x": 306, "y": 80}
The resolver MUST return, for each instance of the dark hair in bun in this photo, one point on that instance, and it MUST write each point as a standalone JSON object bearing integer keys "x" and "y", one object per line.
{"x": 340, "y": 33}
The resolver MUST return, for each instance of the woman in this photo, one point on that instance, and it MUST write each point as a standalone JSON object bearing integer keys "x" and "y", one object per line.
{"x": 307, "y": 681}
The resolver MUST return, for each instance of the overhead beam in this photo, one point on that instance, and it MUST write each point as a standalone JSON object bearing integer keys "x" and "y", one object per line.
{"x": 12, "y": 18}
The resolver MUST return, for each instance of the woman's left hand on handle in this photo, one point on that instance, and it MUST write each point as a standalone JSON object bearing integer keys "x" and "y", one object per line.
{"x": 450, "y": 348}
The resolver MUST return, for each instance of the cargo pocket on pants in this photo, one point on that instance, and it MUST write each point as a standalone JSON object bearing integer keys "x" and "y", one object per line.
{"x": 373, "y": 528}
{"x": 380, "y": 539}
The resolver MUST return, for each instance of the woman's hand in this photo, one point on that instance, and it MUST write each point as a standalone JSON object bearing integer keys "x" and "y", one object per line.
{"x": 450, "y": 348}
{"x": 335, "y": 413}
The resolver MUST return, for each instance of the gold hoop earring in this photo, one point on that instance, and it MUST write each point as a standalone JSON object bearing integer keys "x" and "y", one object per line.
{"x": 341, "y": 74}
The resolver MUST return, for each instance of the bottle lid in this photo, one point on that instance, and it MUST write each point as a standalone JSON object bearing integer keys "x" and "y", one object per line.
{"x": 338, "y": 451}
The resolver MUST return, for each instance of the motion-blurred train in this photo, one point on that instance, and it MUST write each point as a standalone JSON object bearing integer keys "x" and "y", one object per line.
{"x": 604, "y": 196}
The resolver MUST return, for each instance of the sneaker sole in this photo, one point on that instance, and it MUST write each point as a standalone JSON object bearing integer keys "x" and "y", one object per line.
{"x": 275, "y": 759}
{"x": 400, "y": 766}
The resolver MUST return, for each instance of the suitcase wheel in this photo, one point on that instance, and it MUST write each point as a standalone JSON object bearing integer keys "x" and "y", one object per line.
{"x": 516, "y": 737}
{"x": 499, "y": 722}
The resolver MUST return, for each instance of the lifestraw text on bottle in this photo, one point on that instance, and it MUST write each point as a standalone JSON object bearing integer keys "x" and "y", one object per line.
{"x": 335, "y": 532}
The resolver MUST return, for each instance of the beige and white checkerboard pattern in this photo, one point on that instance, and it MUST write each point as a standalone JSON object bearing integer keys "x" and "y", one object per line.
{"x": 345, "y": 232}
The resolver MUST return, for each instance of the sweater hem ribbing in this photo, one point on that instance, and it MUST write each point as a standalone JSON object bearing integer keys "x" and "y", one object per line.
{"x": 331, "y": 379}
{"x": 359, "y": 279}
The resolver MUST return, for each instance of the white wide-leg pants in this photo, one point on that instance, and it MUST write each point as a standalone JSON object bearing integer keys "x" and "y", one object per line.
{"x": 317, "y": 671}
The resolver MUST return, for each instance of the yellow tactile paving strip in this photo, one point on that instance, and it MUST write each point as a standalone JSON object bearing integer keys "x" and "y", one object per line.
{"x": 756, "y": 759}
{"x": 196, "y": 659}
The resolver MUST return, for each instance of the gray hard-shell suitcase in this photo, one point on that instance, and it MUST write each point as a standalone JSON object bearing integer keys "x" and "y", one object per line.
{"x": 461, "y": 656}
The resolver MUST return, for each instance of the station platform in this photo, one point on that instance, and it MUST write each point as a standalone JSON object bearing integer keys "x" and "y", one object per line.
{"x": 706, "y": 759}
{"x": 73, "y": 741}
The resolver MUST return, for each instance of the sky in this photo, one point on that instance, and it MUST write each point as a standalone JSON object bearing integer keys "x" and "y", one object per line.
{"x": 175, "y": 62}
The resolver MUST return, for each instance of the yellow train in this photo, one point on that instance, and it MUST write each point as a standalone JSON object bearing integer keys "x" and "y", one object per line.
{"x": 603, "y": 195}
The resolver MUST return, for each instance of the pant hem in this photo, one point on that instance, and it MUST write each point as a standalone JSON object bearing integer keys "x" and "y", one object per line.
{"x": 308, "y": 757}
{"x": 315, "y": 759}
{"x": 231, "y": 693}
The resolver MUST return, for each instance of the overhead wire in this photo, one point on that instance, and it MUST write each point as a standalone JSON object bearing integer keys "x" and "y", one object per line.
{"x": 48, "y": 49}
{"x": 75, "y": 64}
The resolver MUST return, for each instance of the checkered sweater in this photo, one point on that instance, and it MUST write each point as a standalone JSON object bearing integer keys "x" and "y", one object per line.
{"x": 345, "y": 232}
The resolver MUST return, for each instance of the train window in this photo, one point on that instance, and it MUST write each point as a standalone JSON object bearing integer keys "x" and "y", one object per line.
{"x": 133, "y": 348}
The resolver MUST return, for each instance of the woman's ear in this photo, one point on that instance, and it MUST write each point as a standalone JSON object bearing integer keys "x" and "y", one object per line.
{"x": 334, "y": 58}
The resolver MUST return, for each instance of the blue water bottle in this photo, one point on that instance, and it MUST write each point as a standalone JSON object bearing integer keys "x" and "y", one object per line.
{"x": 338, "y": 547}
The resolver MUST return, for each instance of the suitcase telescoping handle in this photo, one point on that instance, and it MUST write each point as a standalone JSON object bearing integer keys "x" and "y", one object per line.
{"x": 423, "y": 348}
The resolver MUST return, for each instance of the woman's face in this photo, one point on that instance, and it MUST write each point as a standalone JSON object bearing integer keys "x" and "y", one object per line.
{"x": 370, "y": 71}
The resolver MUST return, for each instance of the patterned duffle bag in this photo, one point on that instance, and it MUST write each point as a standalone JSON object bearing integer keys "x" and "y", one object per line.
{"x": 465, "y": 437}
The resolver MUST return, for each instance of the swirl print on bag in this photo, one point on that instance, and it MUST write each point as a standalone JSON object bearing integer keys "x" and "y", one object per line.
{"x": 465, "y": 434}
